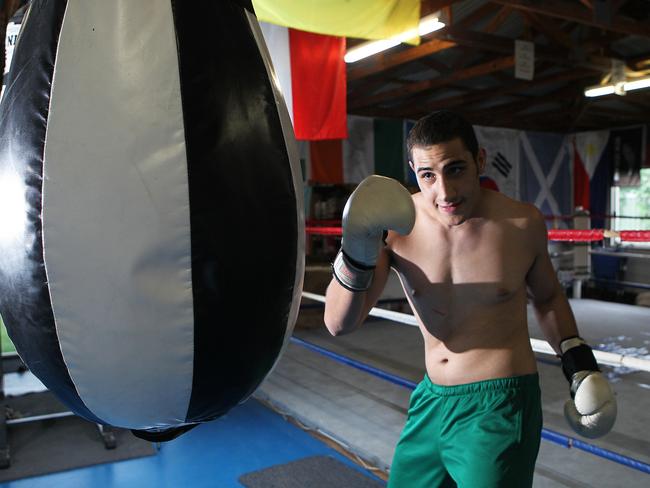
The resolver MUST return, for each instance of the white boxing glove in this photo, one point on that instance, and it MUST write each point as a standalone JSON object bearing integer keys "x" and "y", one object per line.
{"x": 376, "y": 205}
{"x": 592, "y": 410}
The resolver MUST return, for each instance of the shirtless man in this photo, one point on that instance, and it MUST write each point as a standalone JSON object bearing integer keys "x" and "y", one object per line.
{"x": 467, "y": 259}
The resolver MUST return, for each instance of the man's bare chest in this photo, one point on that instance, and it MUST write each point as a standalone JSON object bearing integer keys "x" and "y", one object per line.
{"x": 480, "y": 267}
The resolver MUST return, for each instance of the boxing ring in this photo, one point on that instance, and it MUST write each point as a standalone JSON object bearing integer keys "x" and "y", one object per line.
{"x": 624, "y": 360}
{"x": 539, "y": 346}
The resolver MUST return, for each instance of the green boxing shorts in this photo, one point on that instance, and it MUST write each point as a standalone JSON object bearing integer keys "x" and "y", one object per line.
{"x": 478, "y": 435}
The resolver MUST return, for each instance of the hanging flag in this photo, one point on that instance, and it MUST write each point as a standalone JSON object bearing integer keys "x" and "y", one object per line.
{"x": 374, "y": 146}
{"x": 318, "y": 83}
{"x": 362, "y": 19}
{"x": 502, "y": 158}
{"x": 326, "y": 161}
{"x": 580, "y": 181}
{"x": 311, "y": 73}
{"x": 389, "y": 148}
{"x": 588, "y": 150}
{"x": 627, "y": 155}
{"x": 277, "y": 42}
{"x": 359, "y": 149}
{"x": 546, "y": 174}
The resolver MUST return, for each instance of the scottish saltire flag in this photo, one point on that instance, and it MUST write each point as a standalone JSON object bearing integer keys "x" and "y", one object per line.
{"x": 545, "y": 171}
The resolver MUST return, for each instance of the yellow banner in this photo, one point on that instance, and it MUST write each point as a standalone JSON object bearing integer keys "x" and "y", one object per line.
{"x": 363, "y": 19}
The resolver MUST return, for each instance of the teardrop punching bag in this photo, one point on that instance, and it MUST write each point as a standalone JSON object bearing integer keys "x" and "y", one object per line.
{"x": 151, "y": 218}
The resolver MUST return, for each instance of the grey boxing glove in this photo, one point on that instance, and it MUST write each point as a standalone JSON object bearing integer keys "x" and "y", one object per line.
{"x": 376, "y": 205}
{"x": 591, "y": 412}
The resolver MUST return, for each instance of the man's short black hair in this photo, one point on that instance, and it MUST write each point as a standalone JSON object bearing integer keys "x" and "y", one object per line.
{"x": 441, "y": 126}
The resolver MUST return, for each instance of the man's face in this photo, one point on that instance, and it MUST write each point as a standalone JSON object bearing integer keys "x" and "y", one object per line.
{"x": 448, "y": 177}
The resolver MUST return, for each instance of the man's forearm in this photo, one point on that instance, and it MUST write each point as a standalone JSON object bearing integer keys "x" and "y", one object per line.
{"x": 556, "y": 319}
{"x": 343, "y": 308}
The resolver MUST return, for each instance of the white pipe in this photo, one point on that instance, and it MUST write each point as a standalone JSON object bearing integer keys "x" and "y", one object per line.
{"x": 543, "y": 347}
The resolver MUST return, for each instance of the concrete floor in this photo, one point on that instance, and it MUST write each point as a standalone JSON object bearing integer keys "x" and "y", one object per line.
{"x": 367, "y": 413}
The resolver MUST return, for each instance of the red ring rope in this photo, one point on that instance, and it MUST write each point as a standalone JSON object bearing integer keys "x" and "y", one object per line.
{"x": 572, "y": 235}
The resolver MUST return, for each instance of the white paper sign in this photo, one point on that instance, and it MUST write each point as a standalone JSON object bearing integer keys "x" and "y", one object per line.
{"x": 524, "y": 60}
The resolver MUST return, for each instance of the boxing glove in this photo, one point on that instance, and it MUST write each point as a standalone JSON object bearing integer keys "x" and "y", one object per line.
{"x": 376, "y": 205}
{"x": 591, "y": 412}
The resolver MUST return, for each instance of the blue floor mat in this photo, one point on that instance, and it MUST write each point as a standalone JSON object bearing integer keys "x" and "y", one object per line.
{"x": 249, "y": 438}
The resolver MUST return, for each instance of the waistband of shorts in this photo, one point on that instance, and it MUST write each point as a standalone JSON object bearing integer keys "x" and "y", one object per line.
{"x": 496, "y": 384}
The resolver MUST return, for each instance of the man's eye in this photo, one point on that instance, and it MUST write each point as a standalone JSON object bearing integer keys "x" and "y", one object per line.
{"x": 427, "y": 175}
{"x": 455, "y": 171}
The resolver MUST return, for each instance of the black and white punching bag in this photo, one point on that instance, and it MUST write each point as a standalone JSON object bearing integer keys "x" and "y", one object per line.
{"x": 11, "y": 36}
{"x": 151, "y": 220}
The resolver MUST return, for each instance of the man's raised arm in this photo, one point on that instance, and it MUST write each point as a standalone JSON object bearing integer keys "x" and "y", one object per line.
{"x": 361, "y": 267}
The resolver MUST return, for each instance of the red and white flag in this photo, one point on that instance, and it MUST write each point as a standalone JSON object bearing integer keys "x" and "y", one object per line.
{"x": 311, "y": 72}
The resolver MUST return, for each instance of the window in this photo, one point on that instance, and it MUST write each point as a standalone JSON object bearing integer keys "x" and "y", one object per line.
{"x": 630, "y": 202}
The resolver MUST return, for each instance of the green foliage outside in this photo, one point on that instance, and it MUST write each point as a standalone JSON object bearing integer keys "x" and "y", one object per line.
{"x": 636, "y": 201}
{"x": 7, "y": 345}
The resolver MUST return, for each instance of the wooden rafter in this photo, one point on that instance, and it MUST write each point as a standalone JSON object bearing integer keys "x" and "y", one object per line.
{"x": 553, "y": 33}
{"x": 391, "y": 60}
{"x": 414, "y": 88}
{"x": 560, "y": 95}
{"x": 577, "y": 13}
{"x": 430, "y": 6}
{"x": 385, "y": 61}
{"x": 498, "y": 20}
{"x": 516, "y": 86}
{"x": 501, "y": 44}
{"x": 435, "y": 65}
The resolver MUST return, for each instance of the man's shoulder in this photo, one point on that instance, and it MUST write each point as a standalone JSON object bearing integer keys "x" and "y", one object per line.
{"x": 504, "y": 207}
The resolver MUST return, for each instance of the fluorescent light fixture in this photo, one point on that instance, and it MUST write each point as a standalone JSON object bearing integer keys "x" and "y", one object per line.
{"x": 599, "y": 91}
{"x": 637, "y": 84}
{"x": 428, "y": 24}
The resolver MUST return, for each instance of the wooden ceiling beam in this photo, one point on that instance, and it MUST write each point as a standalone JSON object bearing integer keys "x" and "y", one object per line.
{"x": 388, "y": 60}
{"x": 477, "y": 95}
{"x": 479, "y": 14}
{"x": 549, "y": 30}
{"x": 414, "y": 88}
{"x": 498, "y": 20}
{"x": 576, "y": 13}
{"x": 561, "y": 95}
{"x": 502, "y": 44}
{"x": 639, "y": 62}
{"x": 391, "y": 60}
{"x": 431, "y": 6}
{"x": 435, "y": 65}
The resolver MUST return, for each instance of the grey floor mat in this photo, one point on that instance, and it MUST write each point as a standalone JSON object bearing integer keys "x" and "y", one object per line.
{"x": 311, "y": 472}
{"x": 49, "y": 446}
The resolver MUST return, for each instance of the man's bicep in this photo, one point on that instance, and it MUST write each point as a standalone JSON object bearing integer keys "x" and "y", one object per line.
{"x": 541, "y": 278}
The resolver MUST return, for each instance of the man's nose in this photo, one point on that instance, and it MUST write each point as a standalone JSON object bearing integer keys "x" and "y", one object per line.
{"x": 446, "y": 190}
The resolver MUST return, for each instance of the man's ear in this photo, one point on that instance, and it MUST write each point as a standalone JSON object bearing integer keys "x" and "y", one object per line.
{"x": 481, "y": 158}
{"x": 411, "y": 166}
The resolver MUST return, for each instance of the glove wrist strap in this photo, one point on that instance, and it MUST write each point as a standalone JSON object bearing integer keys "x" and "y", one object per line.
{"x": 350, "y": 275}
{"x": 576, "y": 357}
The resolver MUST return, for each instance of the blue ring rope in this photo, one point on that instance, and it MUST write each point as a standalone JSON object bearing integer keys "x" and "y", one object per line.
{"x": 547, "y": 434}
